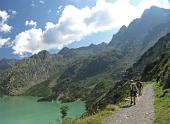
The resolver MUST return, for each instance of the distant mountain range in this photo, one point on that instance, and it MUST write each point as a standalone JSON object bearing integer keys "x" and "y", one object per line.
{"x": 91, "y": 73}
{"x": 7, "y": 63}
{"x": 28, "y": 72}
{"x": 82, "y": 51}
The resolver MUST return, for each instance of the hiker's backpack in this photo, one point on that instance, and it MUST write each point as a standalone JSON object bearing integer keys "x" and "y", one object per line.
{"x": 133, "y": 88}
{"x": 139, "y": 84}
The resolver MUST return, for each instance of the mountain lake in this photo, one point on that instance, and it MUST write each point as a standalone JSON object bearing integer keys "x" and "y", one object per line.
{"x": 26, "y": 110}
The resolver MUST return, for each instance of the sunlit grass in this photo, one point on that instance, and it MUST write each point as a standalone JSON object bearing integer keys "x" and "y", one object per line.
{"x": 162, "y": 105}
{"x": 98, "y": 117}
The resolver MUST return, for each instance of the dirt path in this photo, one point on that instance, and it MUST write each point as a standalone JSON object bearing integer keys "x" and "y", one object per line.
{"x": 141, "y": 113}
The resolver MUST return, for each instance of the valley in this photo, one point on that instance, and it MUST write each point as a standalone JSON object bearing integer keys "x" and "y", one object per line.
{"x": 96, "y": 74}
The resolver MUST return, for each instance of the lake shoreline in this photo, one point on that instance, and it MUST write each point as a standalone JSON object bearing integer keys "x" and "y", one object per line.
{"x": 26, "y": 109}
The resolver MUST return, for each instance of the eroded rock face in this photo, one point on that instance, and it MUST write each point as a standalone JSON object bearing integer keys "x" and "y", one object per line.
{"x": 154, "y": 63}
{"x": 29, "y": 72}
{"x": 142, "y": 33}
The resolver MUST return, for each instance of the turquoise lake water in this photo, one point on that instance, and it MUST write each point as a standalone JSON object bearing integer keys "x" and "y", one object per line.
{"x": 25, "y": 110}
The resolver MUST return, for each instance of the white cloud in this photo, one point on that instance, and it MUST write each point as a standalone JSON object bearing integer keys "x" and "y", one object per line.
{"x": 31, "y": 23}
{"x": 24, "y": 40}
{"x": 42, "y": 2}
{"x": 4, "y": 15}
{"x": 49, "y": 25}
{"x": 59, "y": 9}
{"x": 3, "y": 41}
{"x": 13, "y": 12}
{"x": 75, "y": 23}
{"x": 33, "y": 3}
{"x": 4, "y": 27}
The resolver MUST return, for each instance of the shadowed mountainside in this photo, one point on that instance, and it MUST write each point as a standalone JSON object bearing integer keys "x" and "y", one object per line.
{"x": 155, "y": 63}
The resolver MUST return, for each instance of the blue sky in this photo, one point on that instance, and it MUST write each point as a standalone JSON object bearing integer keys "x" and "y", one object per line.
{"x": 29, "y": 26}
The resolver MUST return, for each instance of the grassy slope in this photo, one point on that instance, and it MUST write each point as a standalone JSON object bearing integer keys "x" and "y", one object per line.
{"x": 43, "y": 89}
{"x": 162, "y": 105}
{"x": 97, "y": 117}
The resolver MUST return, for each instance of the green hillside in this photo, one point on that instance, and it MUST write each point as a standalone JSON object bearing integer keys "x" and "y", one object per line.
{"x": 162, "y": 105}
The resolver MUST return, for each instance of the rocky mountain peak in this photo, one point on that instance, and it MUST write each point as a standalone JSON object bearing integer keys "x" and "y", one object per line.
{"x": 41, "y": 55}
{"x": 64, "y": 50}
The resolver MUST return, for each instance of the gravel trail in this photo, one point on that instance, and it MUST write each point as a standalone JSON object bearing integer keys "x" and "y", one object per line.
{"x": 141, "y": 113}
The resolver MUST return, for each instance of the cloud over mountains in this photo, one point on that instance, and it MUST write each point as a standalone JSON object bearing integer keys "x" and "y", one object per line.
{"x": 4, "y": 27}
{"x": 4, "y": 41}
{"x": 75, "y": 23}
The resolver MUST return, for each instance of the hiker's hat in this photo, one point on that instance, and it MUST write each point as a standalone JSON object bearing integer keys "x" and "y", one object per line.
{"x": 131, "y": 80}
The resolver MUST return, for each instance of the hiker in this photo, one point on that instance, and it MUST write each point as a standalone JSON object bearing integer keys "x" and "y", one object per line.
{"x": 133, "y": 92}
{"x": 139, "y": 86}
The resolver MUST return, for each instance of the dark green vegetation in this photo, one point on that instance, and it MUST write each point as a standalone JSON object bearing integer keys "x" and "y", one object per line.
{"x": 162, "y": 105}
{"x": 155, "y": 63}
{"x": 95, "y": 73}
{"x": 42, "y": 90}
{"x": 63, "y": 111}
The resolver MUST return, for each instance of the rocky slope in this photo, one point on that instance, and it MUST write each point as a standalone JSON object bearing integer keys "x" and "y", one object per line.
{"x": 29, "y": 72}
{"x": 142, "y": 33}
{"x": 157, "y": 62}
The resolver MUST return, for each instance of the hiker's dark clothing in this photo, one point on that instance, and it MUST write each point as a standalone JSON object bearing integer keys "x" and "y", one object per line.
{"x": 133, "y": 90}
{"x": 133, "y": 93}
{"x": 139, "y": 86}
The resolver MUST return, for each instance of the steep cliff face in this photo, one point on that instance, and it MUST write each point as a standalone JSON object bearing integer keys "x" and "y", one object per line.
{"x": 142, "y": 33}
{"x": 159, "y": 69}
{"x": 155, "y": 63}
